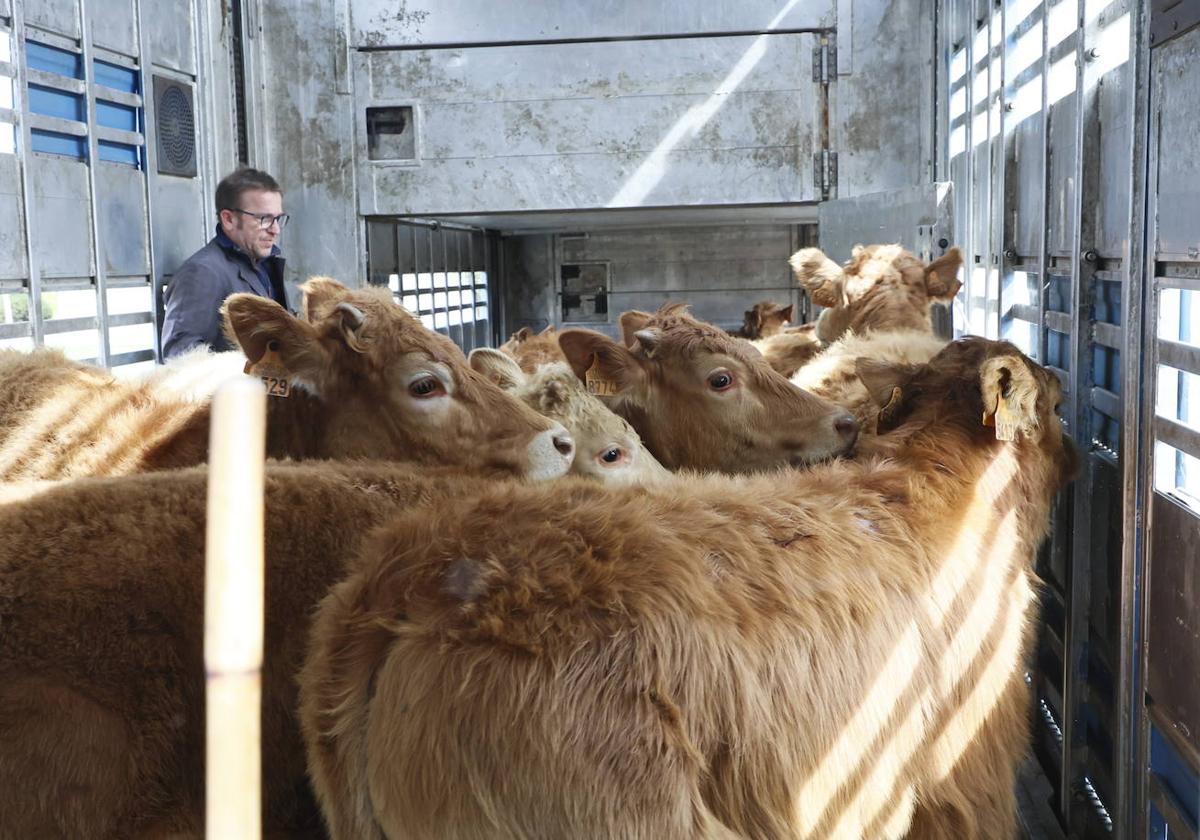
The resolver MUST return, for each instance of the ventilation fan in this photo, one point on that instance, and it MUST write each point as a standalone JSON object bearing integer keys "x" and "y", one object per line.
{"x": 175, "y": 127}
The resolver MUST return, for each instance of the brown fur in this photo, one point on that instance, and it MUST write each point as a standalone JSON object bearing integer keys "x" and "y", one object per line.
{"x": 763, "y": 320}
{"x": 61, "y": 419}
{"x": 801, "y": 655}
{"x": 880, "y": 287}
{"x": 662, "y": 374}
{"x": 790, "y": 350}
{"x": 531, "y": 351}
{"x": 101, "y": 668}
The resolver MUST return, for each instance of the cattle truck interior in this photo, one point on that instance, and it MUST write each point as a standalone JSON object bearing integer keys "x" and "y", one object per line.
{"x": 502, "y": 167}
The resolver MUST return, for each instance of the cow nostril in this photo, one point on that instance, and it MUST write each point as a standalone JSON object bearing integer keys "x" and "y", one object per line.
{"x": 564, "y": 444}
{"x": 846, "y": 426}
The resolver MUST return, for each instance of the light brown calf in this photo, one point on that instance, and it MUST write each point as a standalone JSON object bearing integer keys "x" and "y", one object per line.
{"x": 703, "y": 399}
{"x": 530, "y": 350}
{"x": 809, "y": 654}
{"x": 763, "y": 320}
{"x": 368, "y": 380}
{"x": 606, "y": 446}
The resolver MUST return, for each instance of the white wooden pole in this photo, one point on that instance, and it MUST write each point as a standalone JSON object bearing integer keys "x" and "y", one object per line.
{"x": 233, "y": 610}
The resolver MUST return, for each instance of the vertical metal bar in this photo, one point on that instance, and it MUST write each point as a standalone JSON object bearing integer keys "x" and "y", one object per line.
{"x": 412, "y": 231}
{"x": 999, "y": 155}
{"x": 1145, "y": 405}
{"x": 150, "y": 179}
{"x": 100, "y": 277}
{"x": 1043, "y": 255}
{"x": 458, "y": 270}
{"x": 429, "y": 231}
{"x": 969, "y": 162}
{"x": 24, "y": 157}
{"x": 497, "y": 318}
{"x": 1076, "y": 643}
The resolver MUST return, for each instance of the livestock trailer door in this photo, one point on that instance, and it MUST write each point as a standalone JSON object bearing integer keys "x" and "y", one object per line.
{"x": 1170, "y": 712}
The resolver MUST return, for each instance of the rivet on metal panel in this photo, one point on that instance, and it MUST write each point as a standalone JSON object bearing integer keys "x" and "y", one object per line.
{"x": 1009, "y": 106}
{"x": 1093, "y": 54}
{"x": 1010, "y": 254}
{"x": 943, "y": 242}
{"x": 1090, "y": 255}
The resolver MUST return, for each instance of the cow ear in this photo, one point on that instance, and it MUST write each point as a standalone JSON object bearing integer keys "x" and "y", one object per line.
{"x": 786, "y": 314}
{"x": 631, "y": 322}
{"x": 832, "y": 324}
{"x": 820, "y": 276}
{"x": 259, "y": 325}
{"x": 941, "y": 275}
{"x": 547, "y": 331}
{"x": 497, "y": 367}
{"x": 883, "y": 379}
{"x": 752, "y": 321}
{"x": 606, "y": 367}
{"x": 1010, "y": 396}
{"x": 321, "y": 296}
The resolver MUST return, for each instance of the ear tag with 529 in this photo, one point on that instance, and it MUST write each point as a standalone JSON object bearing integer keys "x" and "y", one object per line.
{"x": 272, "y": 371}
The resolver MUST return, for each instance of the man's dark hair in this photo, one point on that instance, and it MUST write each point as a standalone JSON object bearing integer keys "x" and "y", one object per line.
{"x": 229, "y": 191}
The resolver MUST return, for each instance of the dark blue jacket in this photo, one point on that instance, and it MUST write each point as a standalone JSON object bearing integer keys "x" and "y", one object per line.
{"x": 194, "y": 296}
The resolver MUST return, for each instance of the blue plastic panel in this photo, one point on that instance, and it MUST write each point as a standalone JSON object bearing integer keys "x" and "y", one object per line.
{"x": 116, "y": 77}
{"x": 54, "y": 143}
{"x": 112, "y": 115}
{"x": 53, "y": 60}
{"x": 52, "y": 102}
{"x": 120, "y": 153}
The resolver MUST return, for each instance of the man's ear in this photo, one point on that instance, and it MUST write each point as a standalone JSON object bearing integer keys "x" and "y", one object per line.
{"x": 321, "y": 296}
{"x": 631, "y": 322}
{"x": 820, "y": 276}
{"x": 941, "y": 276}
{"x": 497, "y": 367}
{"x": 605, "y": 366}
{"x": 258, "y": 324}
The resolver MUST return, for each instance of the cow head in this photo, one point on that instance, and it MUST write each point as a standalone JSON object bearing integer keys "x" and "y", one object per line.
{"x": 530, "y": 350}
{"x": 765, "y": 319}
{"x": 388, "y": 388}
{"x": 882, "y": 287}
{"x": 606, "y": 446}
{"x": 990, "y": 388}
{"x": 703, "y": 399}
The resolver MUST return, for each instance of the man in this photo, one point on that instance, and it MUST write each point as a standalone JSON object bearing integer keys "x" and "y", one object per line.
{"x": 242, "y": 257}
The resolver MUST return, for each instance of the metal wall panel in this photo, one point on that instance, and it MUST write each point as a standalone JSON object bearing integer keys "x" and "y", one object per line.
{"x": 379, "y": 23}
{"x": 596, "y": 125}
{"x": 171, "y": 33}
{"x": 122, "y": 219}
{"x": 1177, "y": 80}
{"x": 60, "y": 220}
{"x": 59, "y": 16}
{"x": 13, "y": 264}
{"x": 880, "y": 114}
{"x": 1026, "y": 177}
{"x": 917, "y": 218}
{"x": 114, "y": 25}
{"x": 1115, "y": 128}
{"x": 179, "y": 230}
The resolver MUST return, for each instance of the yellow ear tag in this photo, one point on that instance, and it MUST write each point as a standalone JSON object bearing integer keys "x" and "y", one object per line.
{"x": 273, "y": 372}
{"x": 597, "y": 383}
{"x": 1005, "y": 418}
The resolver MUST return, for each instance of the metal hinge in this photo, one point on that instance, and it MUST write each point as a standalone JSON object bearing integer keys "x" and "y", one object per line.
{"x": 825, "y": 173}
{"x": 824, "y": 63}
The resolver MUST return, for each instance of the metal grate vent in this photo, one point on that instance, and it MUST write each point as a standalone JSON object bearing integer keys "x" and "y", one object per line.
{"x": 175, "y": 127}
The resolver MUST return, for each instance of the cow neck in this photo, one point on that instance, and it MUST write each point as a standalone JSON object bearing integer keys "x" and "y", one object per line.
{"x": 296, "y": 425}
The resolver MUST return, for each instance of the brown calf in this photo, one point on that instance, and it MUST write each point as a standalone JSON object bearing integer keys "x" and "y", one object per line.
{"x": 102, "y": 616}
{"x": 809, "y": 654}
{"x": 703, "y": 399}
{"x": 763, "y": 320}
{"x": 367, "y": 380}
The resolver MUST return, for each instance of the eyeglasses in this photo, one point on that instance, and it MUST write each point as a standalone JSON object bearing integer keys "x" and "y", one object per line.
{"x": 265, "y": 220}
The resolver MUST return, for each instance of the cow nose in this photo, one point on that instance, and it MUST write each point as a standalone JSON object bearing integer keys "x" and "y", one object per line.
{"x": 847, "y": 427}
{"x": 564, "y": 444}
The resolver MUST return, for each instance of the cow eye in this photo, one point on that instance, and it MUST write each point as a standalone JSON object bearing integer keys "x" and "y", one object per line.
{"x": 425, "y": 387}
{"x": 720, "y": 381}
{"x": 612, "y": 456}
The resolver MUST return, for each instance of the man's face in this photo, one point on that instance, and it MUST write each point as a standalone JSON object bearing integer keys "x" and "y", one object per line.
{"x": 244, "y": 229}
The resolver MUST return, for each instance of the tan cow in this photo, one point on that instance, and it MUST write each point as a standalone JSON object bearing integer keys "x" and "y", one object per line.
{"x": 703, "y": 399}
{"x": 763, "y": 320}
{"x": 809, "y": 654}
{"x": 880, "y": 287}
{"x": 367, "y": 380}
{"x": 102, "y": 625}
{"x": 606, "y": 446}
{"x": 532, "y": 351}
